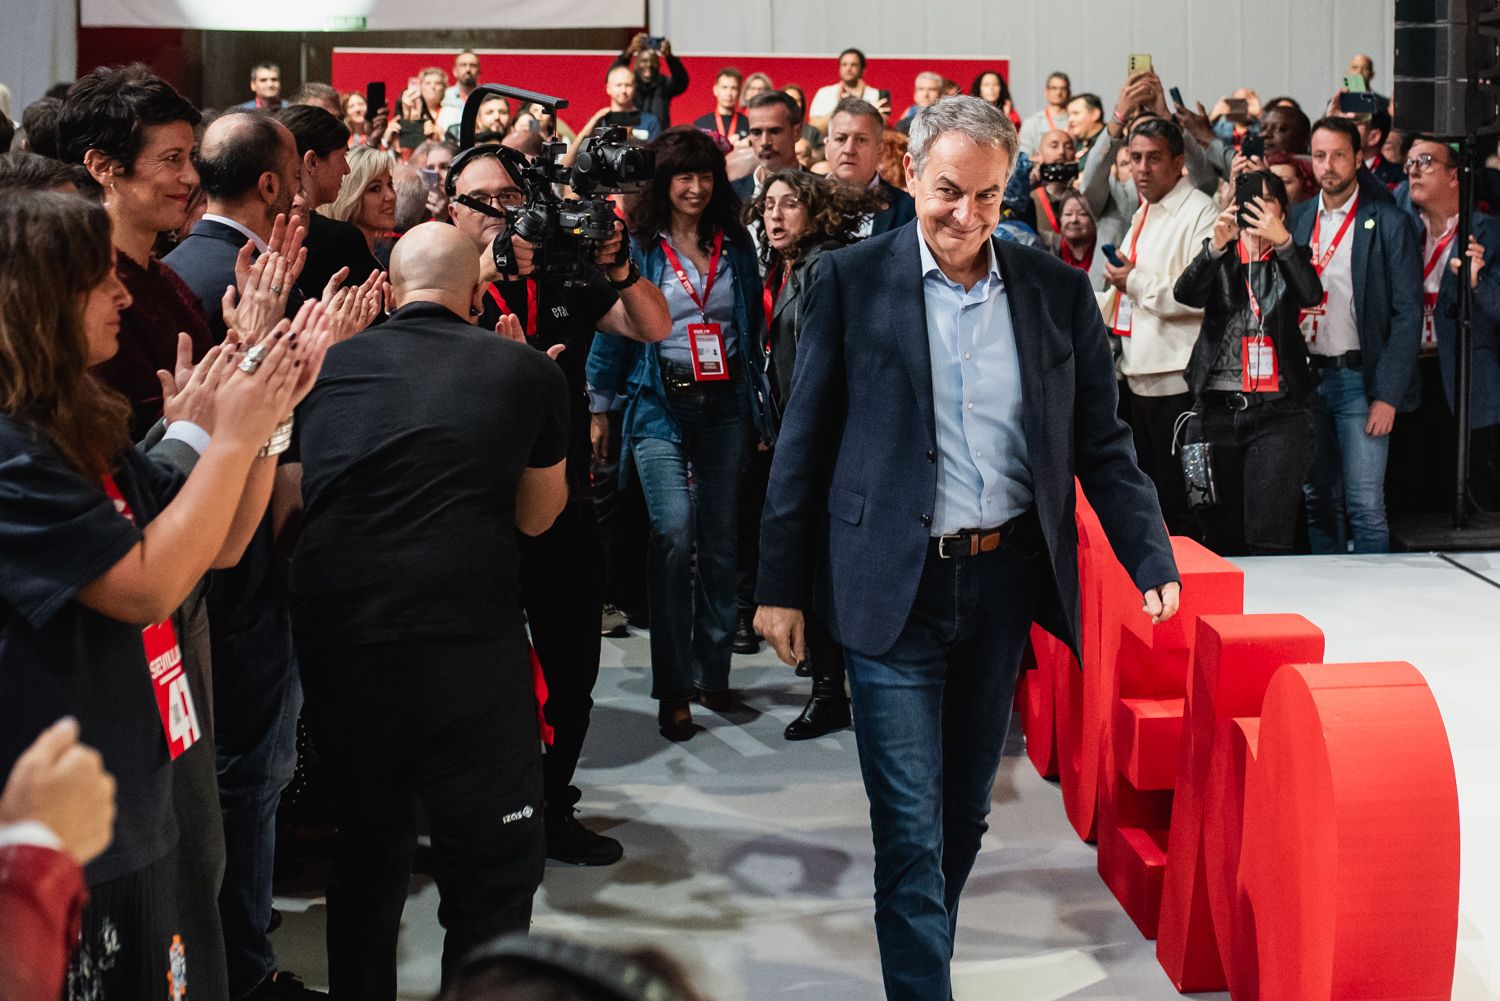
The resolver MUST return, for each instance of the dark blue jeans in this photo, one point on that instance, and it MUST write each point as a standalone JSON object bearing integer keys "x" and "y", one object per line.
{"x": 930, "y": 718}
{"x": 692, "y": 495}
{"x": 1347, "y": 479}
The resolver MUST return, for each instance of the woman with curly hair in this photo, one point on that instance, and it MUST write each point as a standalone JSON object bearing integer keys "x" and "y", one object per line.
{"x": 799, "y": 216}
{"x": 695, "y": 406}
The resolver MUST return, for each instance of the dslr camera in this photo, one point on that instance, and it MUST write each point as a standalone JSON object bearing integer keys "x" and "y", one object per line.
{"x": 1058, "y": 172}
{"x": 564, "y": 232}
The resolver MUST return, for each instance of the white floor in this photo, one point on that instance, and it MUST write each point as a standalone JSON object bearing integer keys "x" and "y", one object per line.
{"x": 749, "y": 856}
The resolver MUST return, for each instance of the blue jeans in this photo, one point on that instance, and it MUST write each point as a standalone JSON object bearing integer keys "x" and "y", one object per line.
{"x": 257, "y": 699}
{"x": 1347, "y": 479}
{"x": 930, "y": 718}
{"x": 692, "y": 494}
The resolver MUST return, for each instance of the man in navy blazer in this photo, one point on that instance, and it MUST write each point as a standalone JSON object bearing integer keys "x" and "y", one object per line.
{"x": 775, "y": 126}
{"x": 948, "y": 389}
{"x": 248, "y": 165}
{"x": 1362, "y": 343}
{"x": 1435, "y": 196}
{"x": 856, "y": 142}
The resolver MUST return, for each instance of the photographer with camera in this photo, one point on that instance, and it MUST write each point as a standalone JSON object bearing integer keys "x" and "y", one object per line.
{"x": 653, "y": 91}
{"x": 1051, "y": 178}
{"x": 562, "y": 583}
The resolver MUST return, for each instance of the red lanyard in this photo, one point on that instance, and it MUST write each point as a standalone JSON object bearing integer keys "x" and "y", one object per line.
{"x": 531, "y": 308}
{"x": 1338, "y": 237}
{"x": 1245, "y": 259}
{"x": 1050, "y": 123}
{"x": 768, "y": 298}
{"x": 1438, "y": 251}
{"x": 1083, "y": 263}
{"x": 720, "y": 127}
{"x": 112, "y": 489}
{"x": 708, "y": 282}
{"x": 1051, "y": 215}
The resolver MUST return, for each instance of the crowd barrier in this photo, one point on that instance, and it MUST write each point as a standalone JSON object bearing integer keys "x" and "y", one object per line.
{"x": 1285, "y": 829}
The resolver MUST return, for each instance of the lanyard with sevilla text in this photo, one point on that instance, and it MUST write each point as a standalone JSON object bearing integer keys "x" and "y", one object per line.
{"x": 174, "y": 699}
{"x": 1258, "y": 372}
{"x": 1310, "y": 330}
{"x": 531, "y": 305}
{"x": 706, "y": 339}
{"x": 1123, "y": 307}
{"x": 1430, "y": 295}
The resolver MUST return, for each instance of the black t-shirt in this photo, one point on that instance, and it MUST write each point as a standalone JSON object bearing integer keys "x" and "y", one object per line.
{"x": 59, "y": 532}
{"x": 568, "y": 315}
{"x": 737, "y": 124}
{"x": 413, "y": 443}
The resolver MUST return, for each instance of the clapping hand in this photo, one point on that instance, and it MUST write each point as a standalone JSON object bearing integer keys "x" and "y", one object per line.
{"x": 188, "y": 392}
{"x": 350, "y": 310}
{"x": 260, "y": 302}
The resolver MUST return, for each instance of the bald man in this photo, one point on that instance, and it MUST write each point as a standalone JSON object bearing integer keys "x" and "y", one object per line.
{"x": 426, "y": 445}
{"x": 1055, "y": 149}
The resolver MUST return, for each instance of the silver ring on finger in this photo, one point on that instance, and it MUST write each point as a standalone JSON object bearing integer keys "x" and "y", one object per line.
{"x": 275, "y": 289}
{"x": 249, "y": 364}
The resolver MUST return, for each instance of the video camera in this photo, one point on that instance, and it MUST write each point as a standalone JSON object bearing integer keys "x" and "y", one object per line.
{"x": 565, "y": 232}
{"x": 1060, "y": 173}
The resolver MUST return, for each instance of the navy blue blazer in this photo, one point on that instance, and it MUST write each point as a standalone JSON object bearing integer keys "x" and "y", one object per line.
{"x": 744, "y": 187}
{"x": 854, "y": 479}
{"x": 1387, "y": 271}
{"x": 1484, "y": 328}
{"x": 205, "y": 261}
{"x": 899, "y": 210}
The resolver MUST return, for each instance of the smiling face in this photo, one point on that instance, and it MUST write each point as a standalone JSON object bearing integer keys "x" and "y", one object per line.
{"x": 785, "y": 217}
{"x": 855, "y": 143}
{"x": 377, "y": 204}
{"x": 154, "y": 195}
{"x": 1075, "y": 223}
{"x": 689, "y": 194}
{"x": 958, "y": 195}
{"x": 1083, "y": 121}
{"x": 100, "y": 309}
{"x": 355, "y": 110}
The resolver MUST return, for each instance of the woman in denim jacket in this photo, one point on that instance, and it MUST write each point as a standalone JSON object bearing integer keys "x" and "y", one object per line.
{"x": 696, "y": 406}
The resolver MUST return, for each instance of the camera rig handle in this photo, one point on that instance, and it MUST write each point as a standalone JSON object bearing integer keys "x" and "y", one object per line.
{"x": 483, "y": 91}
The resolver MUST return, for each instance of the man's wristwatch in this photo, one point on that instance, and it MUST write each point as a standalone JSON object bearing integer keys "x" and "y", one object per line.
{"x": 631, "y": 277}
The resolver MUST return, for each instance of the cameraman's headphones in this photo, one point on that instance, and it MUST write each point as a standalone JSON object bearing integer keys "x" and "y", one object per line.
{"x": 514, "y": 162}
{"x": 624, "y": 979}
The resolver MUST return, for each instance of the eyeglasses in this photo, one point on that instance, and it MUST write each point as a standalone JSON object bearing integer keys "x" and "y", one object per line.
{"x": 1423, "y": 163}
{"x": 510, "y": 196}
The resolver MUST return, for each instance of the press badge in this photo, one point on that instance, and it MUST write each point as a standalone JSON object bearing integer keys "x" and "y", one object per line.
{"x": 1308, "y": 320}
{"x": 707, "y": 340}
{"x": 1258, "y": 366}
{"x": 1122, "y": 315}
{"x": 174, "y": 699}
{"x": 1429, "y": 327}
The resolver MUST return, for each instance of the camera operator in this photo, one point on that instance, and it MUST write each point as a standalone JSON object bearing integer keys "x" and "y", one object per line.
{"x": 1051, "y": 178}
{"x": 654, "y": 92}
{"x": 562, "y": 569}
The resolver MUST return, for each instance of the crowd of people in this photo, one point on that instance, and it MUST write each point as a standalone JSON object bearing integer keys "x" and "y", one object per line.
{"x": 287, "y": 445}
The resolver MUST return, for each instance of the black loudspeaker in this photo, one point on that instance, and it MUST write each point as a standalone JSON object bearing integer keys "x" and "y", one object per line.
{"x": 1448, "y": 67}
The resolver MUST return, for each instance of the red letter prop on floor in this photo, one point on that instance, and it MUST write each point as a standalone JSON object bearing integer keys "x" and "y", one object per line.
{"x": 1139, "y": 750}
{"x": 1350, "y": 849}
{"x": 1234, "y": 657}
{"x": 1038, "y": 699}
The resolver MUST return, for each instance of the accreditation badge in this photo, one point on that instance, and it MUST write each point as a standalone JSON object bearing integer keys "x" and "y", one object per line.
{"x": 709, "y": 363}
{"x": 174, "y": 699}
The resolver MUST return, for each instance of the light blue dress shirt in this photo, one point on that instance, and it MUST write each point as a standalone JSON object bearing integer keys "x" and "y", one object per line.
{"x": 983, "y": 473}
{"x": 677, "y": 349}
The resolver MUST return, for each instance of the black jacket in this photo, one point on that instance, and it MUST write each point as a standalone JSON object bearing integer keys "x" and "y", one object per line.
{"x": 332, "y": 244}
{"x": 655, "y": 95}
{"x": 786, "y": 315}
{"x": 1284, "y": 285}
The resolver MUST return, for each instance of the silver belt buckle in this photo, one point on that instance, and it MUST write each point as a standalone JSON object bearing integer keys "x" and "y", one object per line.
{"x": 1238, "y": 402}
{"x": 943, "y": 544}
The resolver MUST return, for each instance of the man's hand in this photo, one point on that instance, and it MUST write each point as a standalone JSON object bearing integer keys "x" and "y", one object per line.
{"x": 1382, "y": 419}
{"x": 1476, "y": 261}
{"x": 523, "y": 253}
{"x": 509, "y": 328}
{"x": 607, "y": 256}
{"x": 1161, "y": 602}
{"x": 638, "y": 43}
{"x": 1135, "y": 93}
{"x": 784, "y": 629}
{"x": 599, "y": 436}
{"x": 1196, "y": 124}
{"x": 61, "y": 783}
{"x": 188, "y": 393}
{"x": 1118, "y": 276}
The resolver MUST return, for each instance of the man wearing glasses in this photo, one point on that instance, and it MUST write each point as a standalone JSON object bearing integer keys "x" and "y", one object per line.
{"x": 1362, "y": 341}
{"x": 562, "y": 582}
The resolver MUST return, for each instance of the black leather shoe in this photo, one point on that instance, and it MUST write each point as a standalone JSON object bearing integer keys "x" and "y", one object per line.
{"x": 675, "y": 720}
{"x": 804, "y": 669}
{"x": 571, "y": 842}
{"x": 745, "y": 638}
{"x": 822, "y": 715}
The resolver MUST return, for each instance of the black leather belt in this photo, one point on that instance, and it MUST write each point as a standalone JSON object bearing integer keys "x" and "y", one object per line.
{"x": 974, "y": 541}
{"x": 679, "y": 379}
{"x": 1349, "y": 359}
{"x": 1239, "y": 402}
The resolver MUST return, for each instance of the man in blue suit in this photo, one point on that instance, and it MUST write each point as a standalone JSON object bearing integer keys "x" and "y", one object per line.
{"x": 1362, "y": 341}
{"x": 856, "y": 143}
{"x": 775, "y": 126}
{"x": 948, "y": 389}
{"x": 1433, "y": 174}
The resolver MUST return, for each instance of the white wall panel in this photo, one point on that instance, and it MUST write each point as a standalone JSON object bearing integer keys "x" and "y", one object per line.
{"x": 1206, "y": 47}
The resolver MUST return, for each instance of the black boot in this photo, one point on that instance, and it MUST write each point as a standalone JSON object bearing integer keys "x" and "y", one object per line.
{"x": 745, "y": 638}
{"x": 826, "y": 711}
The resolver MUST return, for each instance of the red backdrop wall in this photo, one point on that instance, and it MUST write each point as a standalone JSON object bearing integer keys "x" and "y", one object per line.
{"x": 579, "y": 76}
